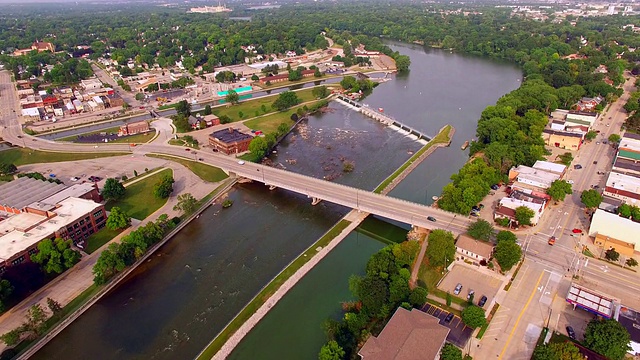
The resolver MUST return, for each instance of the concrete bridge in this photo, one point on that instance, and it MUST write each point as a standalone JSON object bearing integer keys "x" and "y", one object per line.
{"x": 383, "y": 118}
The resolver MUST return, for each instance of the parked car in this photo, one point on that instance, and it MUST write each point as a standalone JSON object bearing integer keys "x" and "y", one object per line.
{"x": 495, "y": 187}
{"x": 577, "y": 166}
{"x": 471, "y": 293}
{"x": 187, "y": 149}
{"x": 241, "y": 162}
{"x": 481, "y": 206}
{"x": 431, "y": 218}
{"x": 571, "y": 333}
{"x": 457, "y": 290}
{"x": 475, "y": 208}
{"x": 552, "y": 240}
{"x": 570, "y": 182}
{"x": 597, "y": 142}
{"x": 595, "y": 162}
{"x": 449, "y": 318}
{"x": 483, "y": 300}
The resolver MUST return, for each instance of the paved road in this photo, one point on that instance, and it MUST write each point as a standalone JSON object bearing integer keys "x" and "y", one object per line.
{"x": 128, "y": 97}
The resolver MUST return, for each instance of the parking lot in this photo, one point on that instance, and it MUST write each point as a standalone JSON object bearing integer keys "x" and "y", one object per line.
{"x": 577, "y": 319}
{"x": 470, "y": 278}
{"x": 459, "y": 333}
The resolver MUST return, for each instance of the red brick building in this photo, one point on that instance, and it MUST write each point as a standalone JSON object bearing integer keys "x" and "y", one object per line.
{"x": 284, "y": 77}
{"x": 134, "y": 128}
{"x": 230, "y": 141}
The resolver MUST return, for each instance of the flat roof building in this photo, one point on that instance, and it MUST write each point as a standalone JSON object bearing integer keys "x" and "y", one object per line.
{"x": 551, "y": 167}
{"x": 610, "y": 230}
{"x": 513, "y": 204}
{"x": 623, "y": 187}
{"x": 629, "y": 147}
{"x": 537, "y": 178}
{"x": 17, "y": 194}
{"x": 626, "y": 166}
{"x": 230, "y": 141}
{"x": 630, "y": 319}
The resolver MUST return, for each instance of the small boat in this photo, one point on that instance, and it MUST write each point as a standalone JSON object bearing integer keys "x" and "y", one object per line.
{"x": 465, "y": 145}
{"x": 381, "y": 110}
{"x": 434, "y": 198}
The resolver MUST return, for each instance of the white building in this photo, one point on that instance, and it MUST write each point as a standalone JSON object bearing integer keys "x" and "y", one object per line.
{"x": 472, "y": 249}
{"x": 513, "y": 204}
{"x": 537, "y": 178}
{"x": 623, "y": 187}
{"x": 551, "y": 167}
{"x": 613, "y": 231}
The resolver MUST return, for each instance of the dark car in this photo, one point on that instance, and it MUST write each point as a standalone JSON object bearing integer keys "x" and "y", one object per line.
{"x": 595, "y": 163}
{"x": 577, "y": 166}
{"x": 475, "y": 208}
{"x": 449, "y": 318}
{"x": 483, "y": 300}
{"x": 431, "y": 218}
{"x": 571, "y": 333}
{"x": 494, "y": 187}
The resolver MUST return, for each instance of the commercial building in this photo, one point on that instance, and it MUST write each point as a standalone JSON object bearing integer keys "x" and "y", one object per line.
{"x": 630, "y": 319}
{"x": 91, "y": 84}
{"x": 284, "y": 77}
{"x": 563, "y": 139}
{"x": 472, "y": 249}
{"x": 16, "y": 195}
{"x": 512, "y": 203}
{"x": 409, "y": 335}
{"x": 551, "y": 167}
{"x": 629, "y": 147}
{"x": 626, "y": 166}
{"x": 623, "y": 187}
{"x": 230, "y": 141}
{"x": 134, "y": 128}
{"x": 72, "y": 218}
{"x": 592, "y": 301}
{"x": 610, "y": 230}
{"x": 531, "y": 178}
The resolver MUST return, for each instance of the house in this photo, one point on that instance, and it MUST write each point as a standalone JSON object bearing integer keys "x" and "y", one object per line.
{"x": 134, "y": 128}
{"x": 230, "y": 141}
{"x": 513, "y": 204}
{"x": 588, "y": 104}
{"x": 409, "y": 335}
{"x": 211, "y": 120}
{"x": 623, "y": 187}
{"x": 78, "y": 105}
{"x": 472, "y": 249}
{"x": 613, "y": 231}
{"x": 38, "y": 46}
{"x": 194, "y": 122}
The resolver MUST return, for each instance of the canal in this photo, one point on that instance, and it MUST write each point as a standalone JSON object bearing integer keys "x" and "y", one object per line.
{"x": 175, "y": 304}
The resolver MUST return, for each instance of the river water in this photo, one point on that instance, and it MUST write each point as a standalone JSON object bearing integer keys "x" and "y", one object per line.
{"x": 179, "y": 300}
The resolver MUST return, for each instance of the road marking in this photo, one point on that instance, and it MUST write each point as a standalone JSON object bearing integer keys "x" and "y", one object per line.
{"x": 515, "y": 326}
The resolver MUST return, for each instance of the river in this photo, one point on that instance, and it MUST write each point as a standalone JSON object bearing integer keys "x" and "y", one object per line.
{"x": 175, "y": 304}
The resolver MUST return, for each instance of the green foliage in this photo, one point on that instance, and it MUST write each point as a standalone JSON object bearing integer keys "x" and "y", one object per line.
{"x": 255, "y": 77}
{"x": 320, "y": 92}
{"x": 524, "y": 215}
{"x": 591, "y": 198}
{"x": 615, "y": 138}
{"x": 7, "y": 169}
{"x": 259, "y": 147}
{"x": 139, "y": 96}
{"x": 559, "y": 189}
{"x": 55, "y": 256}
{"x": 557, "y": 351}
{"x": 441, "y": 248}
{"x": 608, "y": 338}
{"x": 164, "y": 187}
{"x": 450, "y": 352}
{"x": 418, "y": 296}
{"x": 402, "y": 63}
{"x": 566, "y": 158}
{"x": 113, "y": 189}
{"x": 448, "y": 299}
{"x": 507, "y": 252}
{"x": 473, "y": 316}
{"x": 207, "y": 110}
{"x": 506, "y": 236}
{"x": 631, "y": 262}
{"x": 480, "y": 230}
{"x": 612, "y": 255}
{"x": 183, "y": 108}
{"x": 118, "y": 219}
{"x": 232, "y": 97}
{"x": 591, "y": 135}
{"x": 54, "y": 306}
{"x": 348, "y": 82}
{"x": 186, "y": 203}
{"x": 468, "y": 187}
{"x": 12, "y": 337}
{"x": 286, "y": 100}
{"x": 6, "y": 289}
{"x": 331, "y": 351}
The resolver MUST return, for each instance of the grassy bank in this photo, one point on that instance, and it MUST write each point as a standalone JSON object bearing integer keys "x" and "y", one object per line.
{"x": 103, "y": 236}
{"x": 138, "y": 201}
{"x": 441, "y": 138}
{"x": 27, "y": 156}
{"x": 203, "y": 171}
{"x": 430, "y": 277}
{"x": 268, "y": 290}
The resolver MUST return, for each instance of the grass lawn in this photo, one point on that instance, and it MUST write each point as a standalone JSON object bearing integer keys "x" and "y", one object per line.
{"x": 297, "y": 82}
{"x": 270, "y": 123}
{"x": 268, "y": 290}
{"x": 100, "y": 238}
{"x": 181, "y": 142}
{"x": 27, "y": 156}
{"x": 250, "y": 107}
{"x": 138, "y": 201}
{"x": 203, "y": 171}
{"x": 430, "y": 277}
{"x": 442, "y": 137}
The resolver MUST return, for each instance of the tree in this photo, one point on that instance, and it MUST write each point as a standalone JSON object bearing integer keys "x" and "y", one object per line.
{"x": 207, "y": 110}
{"x": 450, "y": 352}
{"x": 286, "y": 100}
{"x": 54, "y": 306}
{"x": 36, "y": 318}
{"x": 615, "y": 138}
{"x": 164, "y": 187}
{"x": 255, "y": 77}
{"x": 480, "y": 230}
{"x": 441, "y": 248}
{"x": 591, "y": 135}
{"x": 473, "y": 316}
{"x": 259, "y": 147}
{"x": 557, "y": 351}
{"x": 12, "y": 337}
{"x": 372, "y": 292}
{"x": 232, "y": 97}
{"x": 402, "y": 63}
{"x": 139, "y": 96}
{"x": 186, "y": 203}
{"x": 7, "y": 169}
{"x": 508, "y": 253}
{"x": 608, "y": 338}
{"x": 6, "y": 289}
{"x": 559, "y": 189}
{"x": 566, "y": 158}
{"x": 418, "y": 296}
{"x": 55, "y": 256}
{"x": 183, "y": 108}
{"x": 524, "y": 215}
{"x": 624, "y": 210}
{"x": 612, "y": 255}
{"x": 506, "y": 235}
{"x": 331, "y": 351}
{"x": 320, "y": 92}
{"x": 591, "y": 198}
{"x": 112, "y": 189}
{"x": 631, "y": 262}
{"x": 118, "y": 219}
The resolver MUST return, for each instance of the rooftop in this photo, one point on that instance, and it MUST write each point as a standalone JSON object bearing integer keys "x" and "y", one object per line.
{"x": 626, "y": 164}
{"x": 629, "y": 142}
{"x": 535, "y": 175}
{"x": 409, "y": 335}
{"x": 550, "y": 167}
{"x": 630, "y": 319}
{"x": 576, "y": 134}
{"x": 512, "y": 203}
{"x": 470, "y": 244}
{"x": 75, "y": 190}
{"x": 614, "y": 226}
{"x": 623, "y": 182}
{"x": 24, "y": 191}
{"x": 21, "y": 231}
{"x": 230, "y": 135}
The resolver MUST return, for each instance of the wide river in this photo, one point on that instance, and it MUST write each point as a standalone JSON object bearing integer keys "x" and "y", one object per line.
{"x": 180, "y": 299}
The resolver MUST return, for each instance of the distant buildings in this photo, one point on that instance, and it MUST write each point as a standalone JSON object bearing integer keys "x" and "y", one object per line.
{"x": 230, "y": 141}
{"x": 38, "y": 46}
{"x": 209, "y": 9}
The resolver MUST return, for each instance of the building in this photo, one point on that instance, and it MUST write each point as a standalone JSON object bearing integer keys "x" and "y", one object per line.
{"x": 211, "y": 120}
{"x": 284, "y": 77}
{"x": 623, "y": 187}
{"x": 610, "y": 230}
{"x": 551, "y": 167}
{"x": 72, "y": 218}
{"x": 532, "y": 178}
{"x": 592, "y": 301}
{"x": 114, "y": 100}
{"x": 409, "y": 335}
{"x": 625, "y": 166}
{"x": 629, "y": 147}
{"x": 230, "y": 141}
{"x": 91, "y": 84}
{"x": 630, "y": 319}
{"x": 563, "y": 139}
{"x": 17, "y": 194}
{"x": 472, "y": 249}
{"x": 134, "y": 128}
{"x": 530, "y": 196}
{"x": 513, "y": 204}
{"x": 32, "y": 113}
{"x": 39, "y": 46}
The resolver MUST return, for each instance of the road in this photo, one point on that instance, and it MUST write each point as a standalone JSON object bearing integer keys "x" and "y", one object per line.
{"x": 128, "y": 97}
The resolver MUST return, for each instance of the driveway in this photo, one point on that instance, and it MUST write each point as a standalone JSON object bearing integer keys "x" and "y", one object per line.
{"x": 459, "y": 333}
{"x": 470, "y": 277}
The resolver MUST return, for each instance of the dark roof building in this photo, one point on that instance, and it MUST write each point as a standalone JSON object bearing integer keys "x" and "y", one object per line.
{"x": 230, "y": 141}
{"x": 409, "y": 335}
{"x": 17, "y": 194}
{"x": 630, "y": 319}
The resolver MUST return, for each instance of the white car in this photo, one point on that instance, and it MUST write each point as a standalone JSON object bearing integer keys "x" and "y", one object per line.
{"x": 570, "y": 182}
{"x": 241, "y": 162}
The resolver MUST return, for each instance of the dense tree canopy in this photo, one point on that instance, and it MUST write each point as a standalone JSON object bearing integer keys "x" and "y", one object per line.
{"x": 113, "y": 189}
{"x": 118, "y": 219}
{"x": 507, "y": 251}
{"x": 559, "y": 189}
{"x": 480, "y": 230}
{"x": 473, "y": 316}
{"x": 441, "y": 248}
{"x": 55, "y": 256}
{"x": 608, "y": 338}
{"x": 591, "y": 198}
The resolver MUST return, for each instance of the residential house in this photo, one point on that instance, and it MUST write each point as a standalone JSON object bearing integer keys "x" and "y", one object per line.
{"x": 623, "y": 187}
{"x": 512, "y": 203}
{"x": 613, "y": 231}
{"x": 230, "y": 141}
{"x": 409, "y": 335}
{"x": 472, "y": 249}
{"x": 211, "y": 120}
